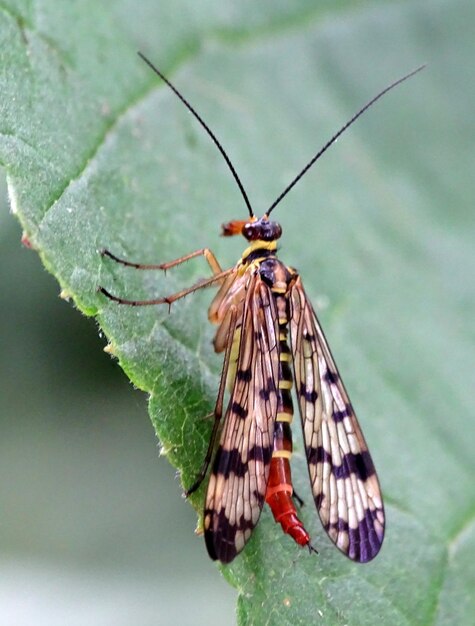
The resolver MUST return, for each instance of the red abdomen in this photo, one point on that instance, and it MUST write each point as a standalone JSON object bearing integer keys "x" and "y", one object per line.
{"x": 279, "y": 498}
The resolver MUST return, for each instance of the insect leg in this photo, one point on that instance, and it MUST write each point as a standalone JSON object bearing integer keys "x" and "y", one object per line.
{"x": 218, "y": 410}
{"x": 173, "y": 297}
{"x": 206, "y": 252}
{"x": 299, "y": 500}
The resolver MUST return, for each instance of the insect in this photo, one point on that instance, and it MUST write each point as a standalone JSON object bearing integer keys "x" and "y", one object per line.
{"x": 271, "y": 339}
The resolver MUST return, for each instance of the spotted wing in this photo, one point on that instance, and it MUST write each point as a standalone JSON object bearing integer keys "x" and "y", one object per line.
{"x": 240, "y": 470}
{"x": 344, "y": 482}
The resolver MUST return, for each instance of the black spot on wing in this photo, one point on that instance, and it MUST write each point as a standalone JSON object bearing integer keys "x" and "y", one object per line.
{"x": 267, "y": 390}
{"x": 271, "y": 385}
{"x": 263, "y": 454}
{"x": 360, "y": 464}
{"x": 341, "y": 526}
{"x": 220, "y": 537}
{"x": 308, "y": 336}
{"x": 310, "y": 395}
{"x": 318, "y": 499}
{"x": 331, "y": 378}
{"x": 244, "y": 376}
{"x": 227, "y": 461}
{"x": 318, "y": 455}
{"x": 339, "y": 416}
{"x": 365, "y": 540}
{"x": 230, "y": 461}
{"x": 239, "y": 410}
{"x": 259, "y": 497}
{"x": 264, "y": 394}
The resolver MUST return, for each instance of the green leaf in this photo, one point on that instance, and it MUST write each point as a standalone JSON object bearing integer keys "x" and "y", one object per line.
{"x": 98, "y": 153}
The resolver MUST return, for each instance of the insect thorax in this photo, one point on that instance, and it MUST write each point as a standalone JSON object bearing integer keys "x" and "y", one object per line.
{"x": 261, "y": 256}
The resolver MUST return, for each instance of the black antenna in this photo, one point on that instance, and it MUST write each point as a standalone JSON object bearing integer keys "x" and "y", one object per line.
{"x": 340, "y": 132}
{"x": 207, "y": 129}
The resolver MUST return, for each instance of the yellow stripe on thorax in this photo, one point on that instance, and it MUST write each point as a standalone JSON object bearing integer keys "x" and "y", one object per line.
{"x": 259, "y": 245}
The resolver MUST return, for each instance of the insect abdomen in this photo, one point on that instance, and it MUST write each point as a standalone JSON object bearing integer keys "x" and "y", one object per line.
{"x": 279, "y": 487}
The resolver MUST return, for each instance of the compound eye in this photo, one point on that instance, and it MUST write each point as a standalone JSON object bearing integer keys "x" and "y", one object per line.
{"x": 249, "y": 232}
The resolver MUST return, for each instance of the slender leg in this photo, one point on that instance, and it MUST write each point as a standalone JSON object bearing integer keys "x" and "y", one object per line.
{"x": 206, "y": 252}
{"x": 173, "y": 297}
{"x": 218, "y": 410}
{"x": 299, "y": 500}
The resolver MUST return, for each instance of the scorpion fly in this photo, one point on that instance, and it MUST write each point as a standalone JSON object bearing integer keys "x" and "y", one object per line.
{"x": 272, "y": 340}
